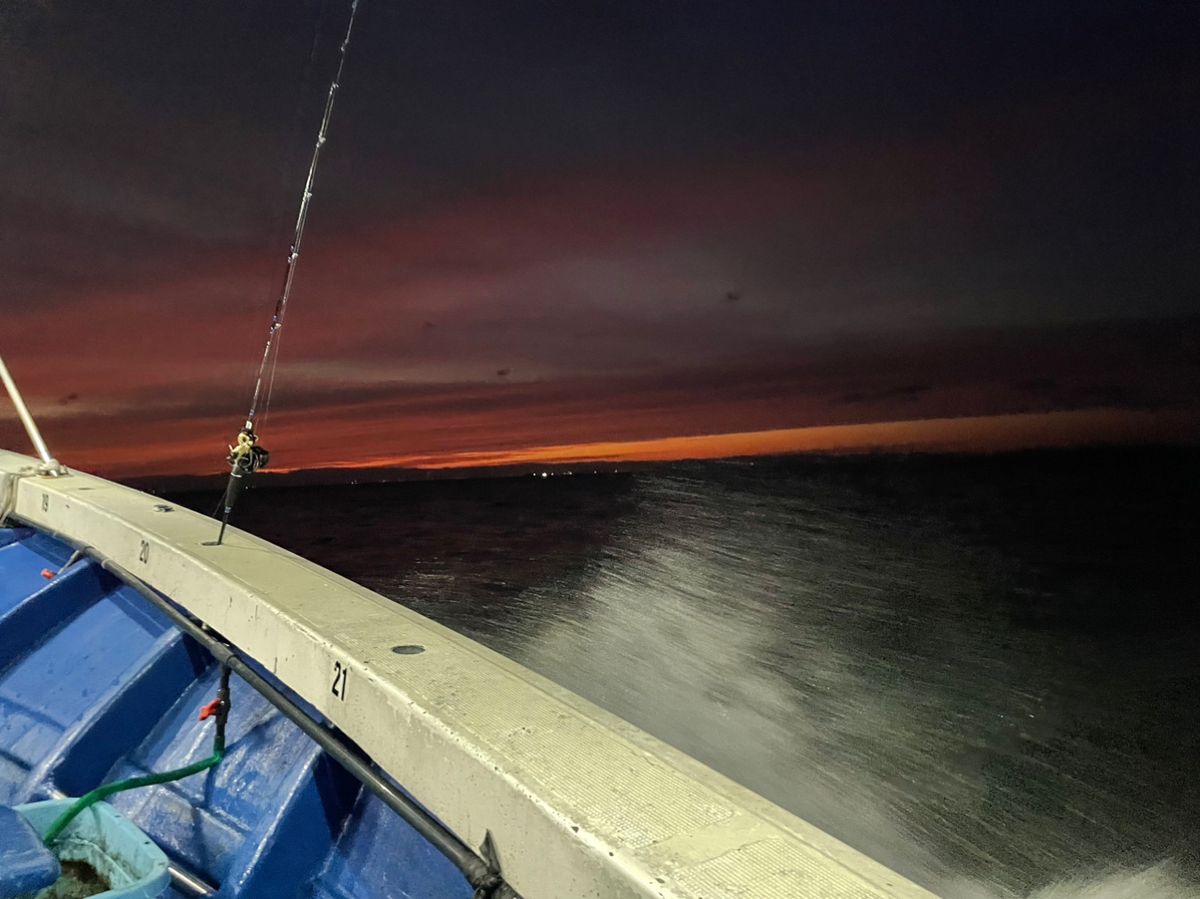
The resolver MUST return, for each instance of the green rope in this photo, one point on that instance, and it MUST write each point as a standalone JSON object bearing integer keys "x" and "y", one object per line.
{"x": 132, "y": 783}
{"x": 222, "y": 705}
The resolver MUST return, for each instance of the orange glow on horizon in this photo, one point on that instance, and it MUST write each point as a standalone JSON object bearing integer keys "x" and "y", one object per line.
{"x": 992, "y": 433}
{"x": 187, "y": 451}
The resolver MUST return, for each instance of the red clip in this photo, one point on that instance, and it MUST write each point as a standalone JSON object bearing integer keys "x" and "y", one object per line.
{"x": 211, "y": 709}
{"x": 47, "y": 573}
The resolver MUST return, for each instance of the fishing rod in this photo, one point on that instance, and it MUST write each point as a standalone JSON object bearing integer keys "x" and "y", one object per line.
{"x": 246, "y": 456}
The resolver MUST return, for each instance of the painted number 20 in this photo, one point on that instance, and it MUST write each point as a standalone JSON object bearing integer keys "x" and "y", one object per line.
{"x": 339, "y": 681}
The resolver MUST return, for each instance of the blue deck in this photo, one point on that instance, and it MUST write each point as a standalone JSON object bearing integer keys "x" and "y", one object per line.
{"x": 96, "y": 685}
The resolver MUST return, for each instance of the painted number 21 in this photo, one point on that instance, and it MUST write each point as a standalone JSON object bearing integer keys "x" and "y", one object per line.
{"x": 339, "y": 681}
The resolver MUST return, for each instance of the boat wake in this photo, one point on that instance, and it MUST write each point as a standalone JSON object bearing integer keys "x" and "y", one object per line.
{"x": 871, "y": 681}
{"x": 1161, "y": 881}
{"x": 946, "y": 668}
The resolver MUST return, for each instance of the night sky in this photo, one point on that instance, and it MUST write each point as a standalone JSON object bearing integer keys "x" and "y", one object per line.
{"x": 558, "y": 231}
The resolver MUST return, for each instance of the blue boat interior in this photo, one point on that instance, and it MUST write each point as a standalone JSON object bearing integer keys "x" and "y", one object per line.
{"x": 97, "y": 685}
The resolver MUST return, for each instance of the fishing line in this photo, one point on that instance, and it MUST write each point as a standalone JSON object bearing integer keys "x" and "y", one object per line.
{"x": 245, "y": 455}
{"x": 279, "y": 208}
{"x": 269, "y": 359}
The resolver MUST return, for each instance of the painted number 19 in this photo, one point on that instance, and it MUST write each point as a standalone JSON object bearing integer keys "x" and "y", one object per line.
{"x": 339, "y": 681}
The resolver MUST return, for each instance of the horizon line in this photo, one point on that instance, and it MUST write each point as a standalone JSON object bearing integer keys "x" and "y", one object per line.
{"x": 983, "y": 433}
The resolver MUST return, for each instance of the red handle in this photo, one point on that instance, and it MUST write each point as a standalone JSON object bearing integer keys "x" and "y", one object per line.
{"x": 211, "y": 709}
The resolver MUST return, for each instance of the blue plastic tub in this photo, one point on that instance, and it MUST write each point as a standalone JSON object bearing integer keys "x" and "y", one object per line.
{"x": 124, "y": 857}
{"x": 26, "y": 865}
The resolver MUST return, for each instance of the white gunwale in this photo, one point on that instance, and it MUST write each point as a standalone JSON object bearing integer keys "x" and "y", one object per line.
{"x": 579, "y": 802}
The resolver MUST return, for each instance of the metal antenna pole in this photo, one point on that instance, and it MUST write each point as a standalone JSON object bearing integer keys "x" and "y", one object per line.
{"x": 246, "y": 456}
{"x": 50, "y": 465}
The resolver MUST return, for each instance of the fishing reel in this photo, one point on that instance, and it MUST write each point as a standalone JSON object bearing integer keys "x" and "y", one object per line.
{"x": 246, "y": 456}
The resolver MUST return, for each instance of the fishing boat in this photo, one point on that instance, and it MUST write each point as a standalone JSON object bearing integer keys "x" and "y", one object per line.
{"x": 369, "y": 752}
{"x": 187, "y": 710}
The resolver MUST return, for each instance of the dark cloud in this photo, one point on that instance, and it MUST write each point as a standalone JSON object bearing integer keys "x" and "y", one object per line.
{"x": 1038, "y": 385}
{"x": 312, "y": 421}
{"x": 906, "y": 394}
{"x": 728, "y": 216}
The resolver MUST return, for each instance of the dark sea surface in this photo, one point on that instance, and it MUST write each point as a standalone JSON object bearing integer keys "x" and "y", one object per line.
{"x": 982, "y": 671}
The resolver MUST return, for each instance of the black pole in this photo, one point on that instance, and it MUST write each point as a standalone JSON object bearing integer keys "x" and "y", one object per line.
{"x": 478, "y": 873}
{"x": 232, "y": 489}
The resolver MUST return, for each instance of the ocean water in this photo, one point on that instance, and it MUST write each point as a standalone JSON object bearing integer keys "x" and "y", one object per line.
{"x": 982, "y": 671}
